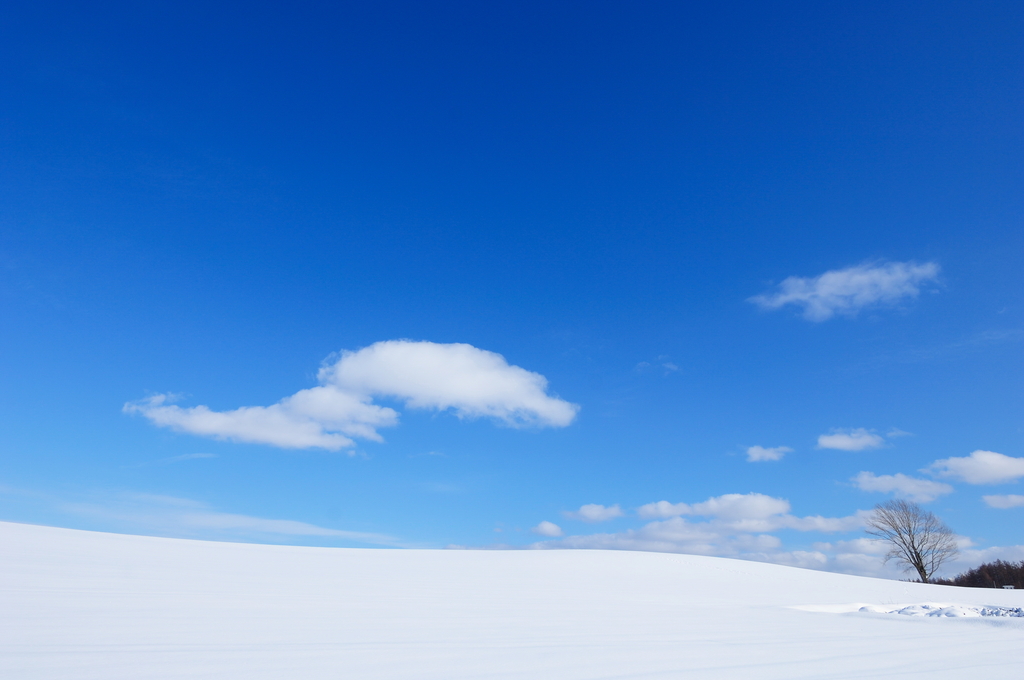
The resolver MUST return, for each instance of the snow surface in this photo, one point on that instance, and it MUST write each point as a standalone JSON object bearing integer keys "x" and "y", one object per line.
{"x": 76, "y": 604}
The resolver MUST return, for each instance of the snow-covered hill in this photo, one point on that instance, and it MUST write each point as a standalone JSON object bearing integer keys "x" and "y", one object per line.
{"x": 84, "y": 605}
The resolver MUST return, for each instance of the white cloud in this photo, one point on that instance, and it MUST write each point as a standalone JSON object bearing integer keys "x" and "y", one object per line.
{"x": 737, "y": 506}
{"x": 804, "y": 559}
{"x": 592, "y": 512}
{"x": 847, "y": 291}
{"x": 546, "y": 528}
{"x": 761, "y": 453}
{"x": 318, "y": 417}
{"x": 731, "y": 506}
{"x": 824, "y": 524}
{"x": 918, "y": 490}
{"x": 424, "y": 375}
{"x": 663, "y": 509}
{"x": 473, "y": 382}
{"x": 1004, "y": 502}
{"x": 981, "y": 467}
{"x": 862, "y": 546}
{"x": 855, "y": 439}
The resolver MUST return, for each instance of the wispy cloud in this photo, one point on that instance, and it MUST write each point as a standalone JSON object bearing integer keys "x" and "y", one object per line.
{"x": 176, "y": 459}
{"x": 183, "y": 517}
{"x": 430, "y": 454}
{"x": 919, "y": 490}
{"x": 188, "y": 456}
{"x": 592, "y": 512}
{"x": 662, "y": 362}
{"x": 471, "y": 382}
{"x": 853, "y": 439}
{"x": 760, "y": 453}
{"x": 981, "y": 467}
{"x": 847, "y": 291}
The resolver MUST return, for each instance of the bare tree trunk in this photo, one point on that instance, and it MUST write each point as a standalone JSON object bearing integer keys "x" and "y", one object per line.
{"x": 916, "y": 537}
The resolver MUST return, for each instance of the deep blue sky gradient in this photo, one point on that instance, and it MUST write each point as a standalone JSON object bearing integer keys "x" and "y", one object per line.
{"x": 211, "y": 198}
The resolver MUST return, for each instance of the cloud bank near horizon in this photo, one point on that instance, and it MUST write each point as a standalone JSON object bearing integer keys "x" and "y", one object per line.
{"x": 456, "y": 377}
{"x": 847, "y": 291}
{"x": 744, "y": 526}
{"x": 731, "y": 525}
{"x": 904, "y": 486}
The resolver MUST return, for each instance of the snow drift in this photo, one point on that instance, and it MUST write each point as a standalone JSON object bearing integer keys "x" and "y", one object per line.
{"x": 82, "y": 605}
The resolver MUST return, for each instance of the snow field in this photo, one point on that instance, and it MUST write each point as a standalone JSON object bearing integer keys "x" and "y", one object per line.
{"x": 86, "y": 605}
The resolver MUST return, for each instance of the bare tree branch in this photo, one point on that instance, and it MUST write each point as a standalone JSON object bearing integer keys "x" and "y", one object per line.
{"x": 916, "y": 537}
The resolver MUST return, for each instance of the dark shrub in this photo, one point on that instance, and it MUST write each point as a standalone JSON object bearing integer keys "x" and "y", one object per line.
{"x": 992, "y": 575}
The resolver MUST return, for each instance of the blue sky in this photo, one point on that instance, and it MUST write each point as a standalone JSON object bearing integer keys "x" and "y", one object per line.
{"x": 518, "y": 263}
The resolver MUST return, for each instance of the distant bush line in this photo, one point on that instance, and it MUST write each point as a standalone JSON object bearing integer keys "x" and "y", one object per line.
{"x": 992, "y": 575}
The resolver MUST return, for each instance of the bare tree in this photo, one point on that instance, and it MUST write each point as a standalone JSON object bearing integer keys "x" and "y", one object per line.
{"x": 916, "y": 537}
